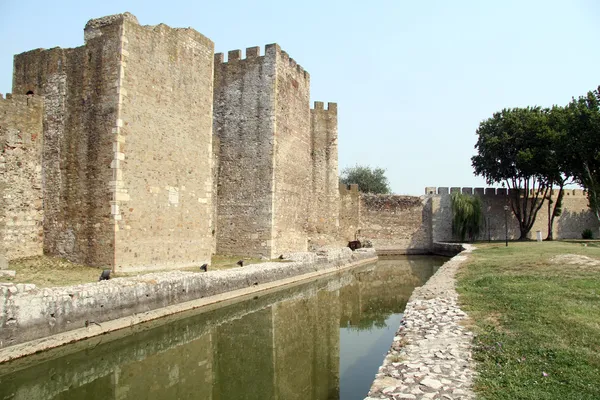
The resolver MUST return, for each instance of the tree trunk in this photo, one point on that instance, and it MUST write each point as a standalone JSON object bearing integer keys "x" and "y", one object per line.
{"x": 550, "y": 218}
{"x": 557, "y": 210}
{"x": 523, "y": 236}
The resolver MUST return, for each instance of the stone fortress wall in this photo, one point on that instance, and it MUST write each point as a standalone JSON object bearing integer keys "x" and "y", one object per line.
{"x": 79, "y": 110}
{"x": 350, "y": 210}
{"x": 292, "y": 170}
{"x": 162, "y": 164}
{"x": 21, "y": 213}
{"x": 158, "y": 153}
{"x": 262, "y": 120}
{"x": 396, "y": 222}
{"x": 127, "y": 149}
{"x": 142, "y": 149}
{"x": 244, "y": 122}
{"x": 325, "y": 195}
{"x": 412, "y": 224}
{"x": 575, "y": 216}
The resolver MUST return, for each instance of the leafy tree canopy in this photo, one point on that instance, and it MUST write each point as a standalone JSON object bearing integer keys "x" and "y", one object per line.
{"x": 583, "y": 116}
{"x": 531, "y": 150}
{"x": 515, "y": 148}
{"x": 466, "y": 216}
{"x": 369, "y": 180}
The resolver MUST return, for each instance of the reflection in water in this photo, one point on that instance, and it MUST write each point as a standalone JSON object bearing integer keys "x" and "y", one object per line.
{"x": 320, "y": 340}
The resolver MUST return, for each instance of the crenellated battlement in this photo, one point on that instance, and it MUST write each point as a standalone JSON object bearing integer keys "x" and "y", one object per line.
{"x": 387, "y": 202}
{"x": 272, "y": 51}
{"x": 432, "y": 190}
{"x": 236, "y": 55}
{"x": 348, "y": 189}
{"x": 320, "y": 106}
{"x": 15, "y": 103}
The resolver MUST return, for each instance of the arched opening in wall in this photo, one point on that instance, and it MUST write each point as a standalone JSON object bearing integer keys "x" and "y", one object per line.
{"x": 29, "y": 94}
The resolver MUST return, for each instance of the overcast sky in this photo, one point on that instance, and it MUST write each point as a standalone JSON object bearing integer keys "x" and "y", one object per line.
{"x": 412, "y": 79}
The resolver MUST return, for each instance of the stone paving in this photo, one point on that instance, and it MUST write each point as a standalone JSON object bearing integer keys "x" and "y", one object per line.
{"x": 430, "y": 357}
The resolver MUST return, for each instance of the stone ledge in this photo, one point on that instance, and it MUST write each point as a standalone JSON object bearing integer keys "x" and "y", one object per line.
{"x": 447, "y": 249}
{"x": 28, "y": 314}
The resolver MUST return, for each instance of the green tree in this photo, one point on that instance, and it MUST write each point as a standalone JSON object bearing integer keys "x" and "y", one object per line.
{"x": 369, "y": 180}
{"x": 513, "y": 149}
{"x": 466, "y": 216}
{"x": 557, "y": 167}
{"x": 583, "y": 115}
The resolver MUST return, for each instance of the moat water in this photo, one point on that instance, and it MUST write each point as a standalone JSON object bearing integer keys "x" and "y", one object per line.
{"x": 321, "y": 340}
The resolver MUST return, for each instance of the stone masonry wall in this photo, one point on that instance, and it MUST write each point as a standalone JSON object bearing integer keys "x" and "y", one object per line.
{"x": 325, "y": 197}
{"x": 244, "y": 121}
{"x": 292, "y": 157}
{"x": 80, "y": 90}
{"x": 21, "y": 214}
{"x": 397, "y": 222}
{"x": 127, "y": 157}
{"x": 216, "y": 157}
{"x": 574, "y": 219}
{"x": 349, "y": 212}
{"x": 162, "y": 142}
{"x": 29, "y": 313}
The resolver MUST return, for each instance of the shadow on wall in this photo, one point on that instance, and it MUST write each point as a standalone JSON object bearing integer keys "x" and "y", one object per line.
{"x": 572, "y": 223}
{"x": 423, "y": 237}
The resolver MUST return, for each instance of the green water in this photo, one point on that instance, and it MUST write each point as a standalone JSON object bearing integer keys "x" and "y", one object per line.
{"x": 316, "y": 341}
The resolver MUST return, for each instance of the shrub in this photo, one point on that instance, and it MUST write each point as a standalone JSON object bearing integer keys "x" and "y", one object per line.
{"x": 466, "y": 216}
{"x": 587, "y": 234}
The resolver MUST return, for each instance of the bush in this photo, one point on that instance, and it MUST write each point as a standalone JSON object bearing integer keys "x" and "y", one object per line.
{"x": 587, "y": 234}
{"x": 466, "y": 216}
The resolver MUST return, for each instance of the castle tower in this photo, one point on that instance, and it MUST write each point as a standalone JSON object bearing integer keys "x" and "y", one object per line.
{"x": 127, "y": 144}
{"x": 325, "y": 198}
{"x": 21, "y": 214}
{"x": 262, "y": 119}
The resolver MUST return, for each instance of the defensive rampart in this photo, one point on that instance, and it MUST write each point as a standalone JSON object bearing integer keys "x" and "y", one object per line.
{"x": 410, "y": 224}
{"x": 21, "y": 198}
{"x": 244, "y": 122}
{"x": 575, "y": 216}
{"x": 277, "y": 159}
{"x": 325, "y": 198}
{"x": 392, "y": 221}
{"x": 127, "y": 144}
{"x": 349, "y": 212}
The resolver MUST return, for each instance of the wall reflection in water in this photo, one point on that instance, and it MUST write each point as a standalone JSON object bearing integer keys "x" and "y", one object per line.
{"x": 282, "y": 345}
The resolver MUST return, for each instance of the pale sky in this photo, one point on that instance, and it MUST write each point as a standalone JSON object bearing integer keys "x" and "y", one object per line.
{"x": 412, "y": 79}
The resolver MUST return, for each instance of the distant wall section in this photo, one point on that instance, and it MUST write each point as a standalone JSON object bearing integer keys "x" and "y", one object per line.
{"x": 396, "y": 222}
{"x": 574, "y": 219}
{"x": 349, "y": 212}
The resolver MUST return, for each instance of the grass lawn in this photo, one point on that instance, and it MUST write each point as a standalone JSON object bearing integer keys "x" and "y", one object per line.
{"x": 45, "y": 271}
{"x": 536, "y": 313}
